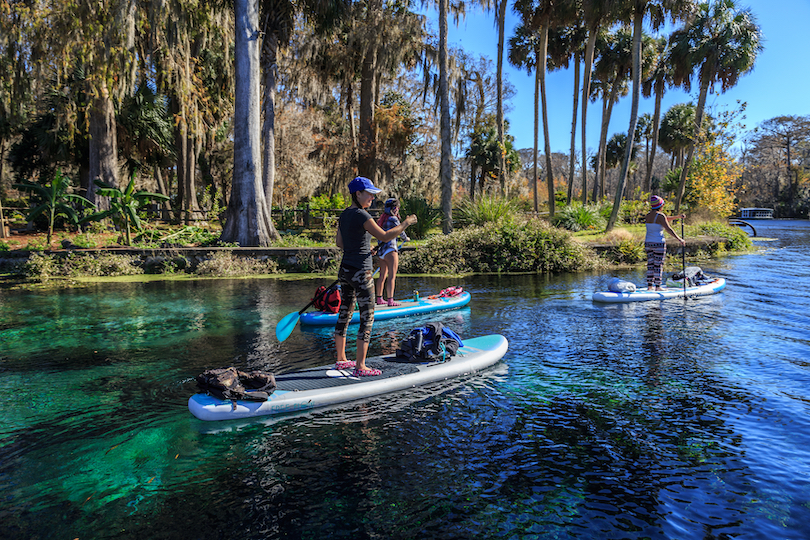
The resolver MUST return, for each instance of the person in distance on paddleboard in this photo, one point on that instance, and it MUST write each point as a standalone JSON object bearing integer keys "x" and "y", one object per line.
{"x": 388, "y": 253}
{"x": 655, "y": 245}
{"x": 355, "y": 229}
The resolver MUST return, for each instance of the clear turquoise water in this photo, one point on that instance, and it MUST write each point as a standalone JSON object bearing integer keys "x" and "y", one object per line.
{"x": 657, "y": 420}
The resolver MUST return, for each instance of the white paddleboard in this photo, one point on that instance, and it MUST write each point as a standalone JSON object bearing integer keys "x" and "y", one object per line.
{"x": 643, "y": 295}
{"x": 322, "y": 386}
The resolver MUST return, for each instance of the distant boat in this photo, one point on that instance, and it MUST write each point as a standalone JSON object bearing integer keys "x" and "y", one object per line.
{"x": 756, "y": 213}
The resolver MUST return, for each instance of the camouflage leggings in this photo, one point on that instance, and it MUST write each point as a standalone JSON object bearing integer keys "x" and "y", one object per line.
{"x": 359, "y": 285}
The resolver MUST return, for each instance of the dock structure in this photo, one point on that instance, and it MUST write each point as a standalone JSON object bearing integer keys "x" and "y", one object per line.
{"x": 756, "y": 213}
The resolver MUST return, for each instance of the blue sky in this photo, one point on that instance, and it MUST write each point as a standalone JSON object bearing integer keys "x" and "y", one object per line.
{"x": 778, "y": 85}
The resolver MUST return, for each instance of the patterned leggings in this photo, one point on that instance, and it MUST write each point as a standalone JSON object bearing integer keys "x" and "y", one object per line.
{"x": 356, "y": 285}
{"x": 656, "y": 253}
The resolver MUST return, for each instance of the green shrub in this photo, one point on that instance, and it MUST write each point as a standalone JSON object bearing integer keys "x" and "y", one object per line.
{"x": 428, "y": 217}
{"x": 487, "y": 209}
{"x": 41, "y": 267}
{"x": 738, "y": 239}
{"x": 102, "y": 264}
{"x": 627, "y": 252}
{"x": 579, "y": 218}
{"x": 499, "y": 247}
{"x": 635, "y": 211}
{"x": 4, "y": 246}
{"x": 325, "y": 202}
{"x": 226, "y": 264}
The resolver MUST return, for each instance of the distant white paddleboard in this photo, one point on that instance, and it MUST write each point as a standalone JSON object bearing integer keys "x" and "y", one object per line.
{"x": 675, "y": 291}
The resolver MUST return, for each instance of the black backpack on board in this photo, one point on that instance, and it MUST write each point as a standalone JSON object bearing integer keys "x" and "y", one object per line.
{"x": 232, "y": 384}
{"x": 429, "y": 343}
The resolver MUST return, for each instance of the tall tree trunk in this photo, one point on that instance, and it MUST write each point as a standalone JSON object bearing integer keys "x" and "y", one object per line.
{"x": 541, "y": 68}
{"x": 181, "y": 141}
{"x": 446, "y": 169}
{"x": 537, "y": 54}
{"x": 368, "y": 135}
{"x": 704, "y": 90}
{"x": 572, "y": 155}
{"x": 248, "y": 217}
{"x": 599, "y": 158}
{"x": 659, "y": 94}
{"x": 352, "y": 124}
{"x": 502, "y": 4}
{"x": 472, "y": 180}
{"x": 586, "y": 92}
{"x": 269, "y": 128}
{"x": 190, "y": 202}
{"x": 2, "y": 161}
{"x": 631, "y": 130}
{"x": 103, "y": 163}
{"x": 165, "y": 207}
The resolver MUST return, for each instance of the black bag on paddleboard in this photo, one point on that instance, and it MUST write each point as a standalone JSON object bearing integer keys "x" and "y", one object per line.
{"x": 232, "y": 384}
{"x": 694, "y": 276}
{"x": 428, "y": 343}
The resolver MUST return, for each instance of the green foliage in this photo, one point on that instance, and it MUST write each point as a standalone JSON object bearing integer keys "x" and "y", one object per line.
{"x": 487, "y": 209}
{"x": 188, "y": 235}
{"x": 738, "y": 239}
{"x": 4, "y": 246}
{"x": 124, "y": 205}
{"x": 53, "y": 201}
{"x": 42, "y": 267}
{"x": 325, "y": 202}
{"x": 428, "y": 216}
{"x": 577, "y": 217}
{"x": 226, "y": 264}
{"x": 627, "y": 252}
{"x": 634, "y": 211}
{"x": 671, "y": 181}
{"x": 499, "y": 247}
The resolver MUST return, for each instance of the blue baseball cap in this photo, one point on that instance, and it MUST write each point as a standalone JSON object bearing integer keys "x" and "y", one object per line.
{"x": 361, "y": 183}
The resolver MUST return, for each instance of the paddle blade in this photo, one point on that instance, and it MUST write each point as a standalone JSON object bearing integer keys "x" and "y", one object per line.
{"x": 286, "y": 325}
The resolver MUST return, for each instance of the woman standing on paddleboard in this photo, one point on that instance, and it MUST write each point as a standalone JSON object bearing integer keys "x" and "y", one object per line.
{"x": 388, "y": 253}
{"x": 655, "y": 245}
{"x": 355, "y": 229}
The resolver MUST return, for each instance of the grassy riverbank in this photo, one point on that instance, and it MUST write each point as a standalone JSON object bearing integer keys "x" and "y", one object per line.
{"x": 500, "y": 247}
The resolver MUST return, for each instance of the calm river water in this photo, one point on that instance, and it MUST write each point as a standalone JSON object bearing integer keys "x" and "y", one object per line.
{"x": 657, "y": 420}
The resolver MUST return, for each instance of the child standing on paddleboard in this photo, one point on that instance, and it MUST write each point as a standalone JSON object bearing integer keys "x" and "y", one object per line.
{"x": 355, "y": 229}
{"x": 655, "y": 245}
{"x": 388, "y": 253}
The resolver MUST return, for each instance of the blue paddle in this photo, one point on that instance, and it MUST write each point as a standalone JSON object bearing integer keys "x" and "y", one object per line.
{"x": 286, "y": 325}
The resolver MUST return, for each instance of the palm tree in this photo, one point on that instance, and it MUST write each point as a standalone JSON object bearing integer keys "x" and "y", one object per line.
{"x": 660, "y": 76}
{"x": 677, "y": 131}
{"x": 722, "y": 43}
{"x": 644, "y": 129}
{"x": 657, "y": 10}
{"x": 565, "y": 42}
{"x": 596, "y": 13}
{"x": 611, "y": 72}
{"x": 247, "y": 220}
{"x": 501, "y": 7}
{"x": 529, "y": 48}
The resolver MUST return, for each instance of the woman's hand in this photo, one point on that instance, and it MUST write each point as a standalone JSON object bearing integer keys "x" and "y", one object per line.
{"x": 410, "y": 220}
